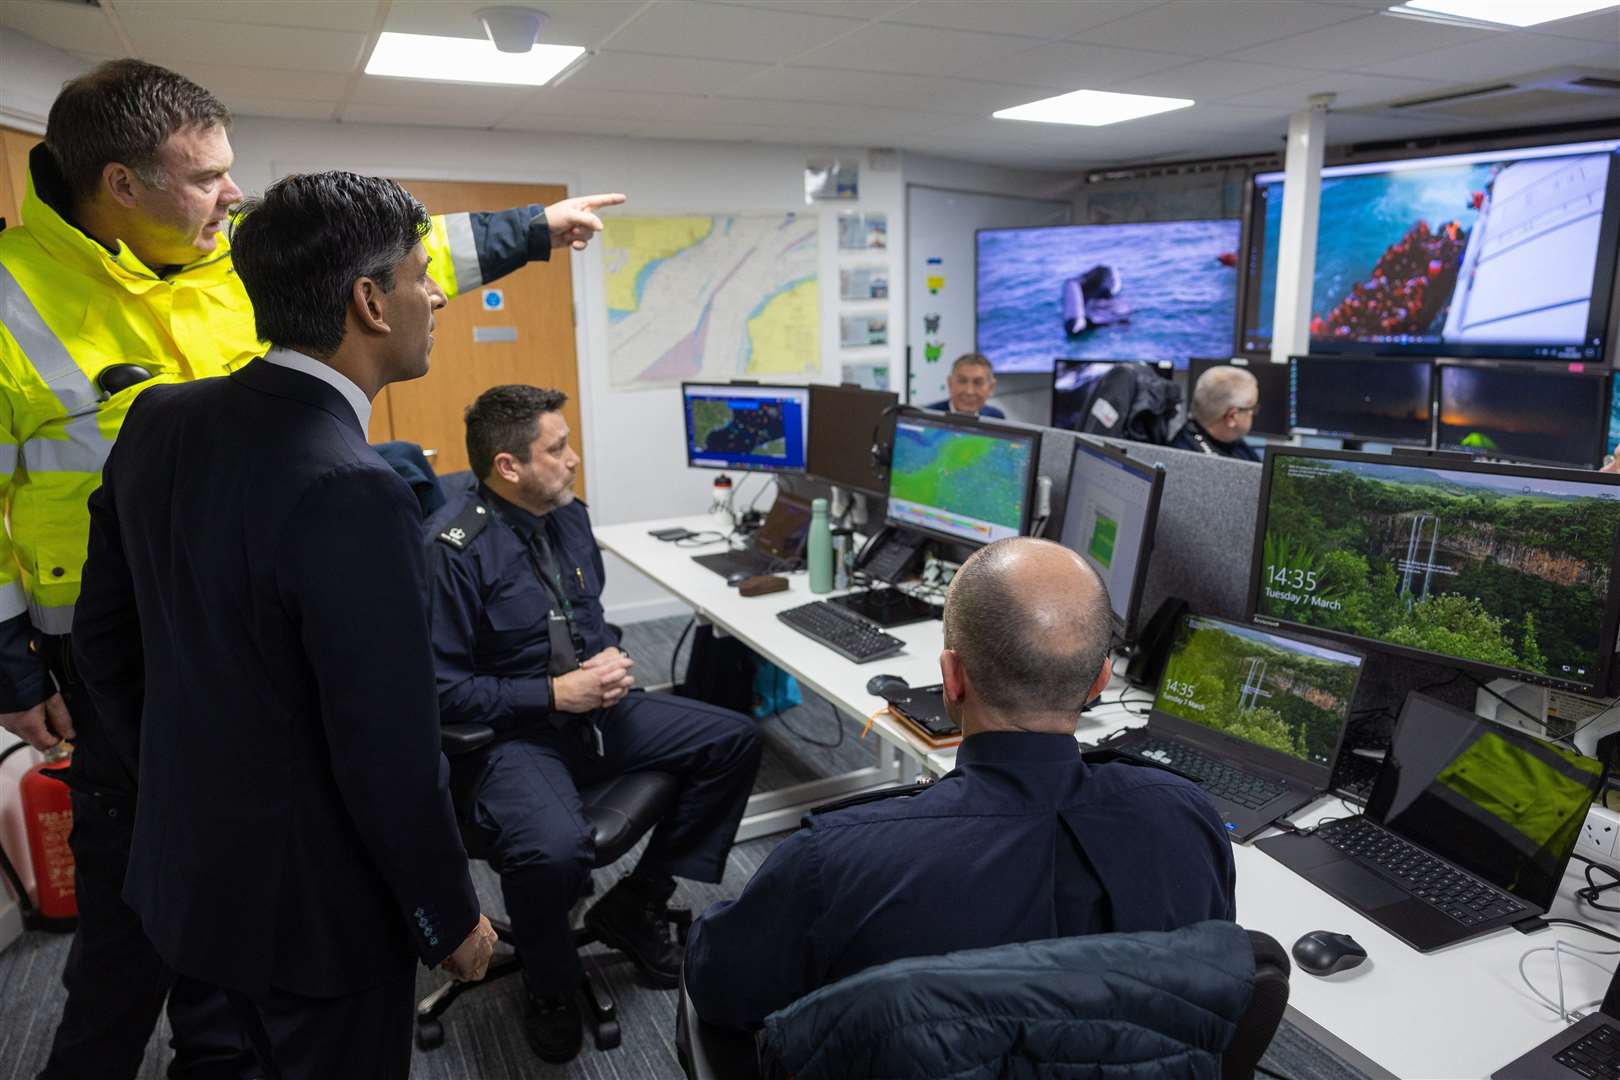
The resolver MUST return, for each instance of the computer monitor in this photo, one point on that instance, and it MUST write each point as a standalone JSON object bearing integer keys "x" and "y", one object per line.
{"x": 1164, "y": 290}
{"x": 961, "y": 479}
{"x": 1503, "y": 569}
{"x": 1387, "y": 401}
{"x": 746, "y": 426}
{"x": 1523, "y": 412}
{"x": 845, "y": 424}
{"x": 1271, "y": 689}
{"x": 1271, "y": 418}
{"x": 1499, "y": 253}
{"x": 1109, "y": 519}
{"x": 1074, "y": 380}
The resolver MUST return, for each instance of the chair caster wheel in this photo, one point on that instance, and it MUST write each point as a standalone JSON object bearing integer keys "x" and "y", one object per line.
{"x": 607, "y": 1035}
{"x": 429, "y": 1034}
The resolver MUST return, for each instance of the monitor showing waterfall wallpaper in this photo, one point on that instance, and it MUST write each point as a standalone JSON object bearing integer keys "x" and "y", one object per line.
{"x": 1502, "y": 568}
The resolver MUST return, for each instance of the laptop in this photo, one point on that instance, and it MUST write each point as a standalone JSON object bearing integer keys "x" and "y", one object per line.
{"x": 1468, "y": 829}
{"x": 778, "y": 546}
{"x": 1588, "y": 1048}
{"x": 1254, "y": 716}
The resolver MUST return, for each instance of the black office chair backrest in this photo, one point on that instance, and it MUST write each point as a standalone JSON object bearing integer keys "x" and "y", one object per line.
{"x": 1267, "y": 1003}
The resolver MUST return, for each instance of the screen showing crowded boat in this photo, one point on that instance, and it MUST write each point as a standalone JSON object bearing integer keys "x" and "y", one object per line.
{"x": 1504, "y": 253}
{"x": 1503, "y": 568}
{"x": 1161, "y": 290}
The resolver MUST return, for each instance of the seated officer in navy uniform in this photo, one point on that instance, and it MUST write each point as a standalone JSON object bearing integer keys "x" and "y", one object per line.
{"x": 1022, "y": 841}
{"x": 521, "y": 643}
{"x": 1222, "y": 412}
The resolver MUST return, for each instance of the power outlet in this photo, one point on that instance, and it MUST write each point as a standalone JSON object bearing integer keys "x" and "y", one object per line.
{"x": 1599, "y": 833}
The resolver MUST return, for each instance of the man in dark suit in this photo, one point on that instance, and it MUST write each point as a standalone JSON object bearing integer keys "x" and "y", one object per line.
{"x": 971, "y": 382}
{"x": 252, "y": 629}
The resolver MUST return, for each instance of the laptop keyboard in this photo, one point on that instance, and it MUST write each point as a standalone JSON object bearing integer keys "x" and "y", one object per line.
{"x": 1229, "y": 782}
{"x": 1463, "y": 897}
{"x": 1595, "y": 1054}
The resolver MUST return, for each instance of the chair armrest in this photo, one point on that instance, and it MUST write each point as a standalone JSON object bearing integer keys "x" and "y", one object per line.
{"x": 457, "y": 739}
{"x": 707, "y": 1052}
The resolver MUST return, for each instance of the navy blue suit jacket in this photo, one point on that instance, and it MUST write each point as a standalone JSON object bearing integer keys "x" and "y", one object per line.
{"x": 1022, "y": 841}
{"x": 253, "y": 626}
{"x": 989, "y": 412}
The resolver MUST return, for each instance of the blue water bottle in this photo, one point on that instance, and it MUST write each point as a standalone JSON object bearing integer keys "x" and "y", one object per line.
{"x": 819, "y": 555}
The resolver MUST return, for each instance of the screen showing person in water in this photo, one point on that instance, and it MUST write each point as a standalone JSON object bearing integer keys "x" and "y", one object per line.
{"x": 1162, "y": 290}
{"x": 1507, "y": 567}
{"x": 1505, "y": 253}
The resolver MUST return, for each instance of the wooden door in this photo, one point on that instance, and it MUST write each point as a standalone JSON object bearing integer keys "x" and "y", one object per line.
{"x": 538, "y": 308}
{"x": 14, "y": 149}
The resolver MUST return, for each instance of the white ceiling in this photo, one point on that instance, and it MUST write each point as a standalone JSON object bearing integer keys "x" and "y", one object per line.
{"x": 916, "y": 74}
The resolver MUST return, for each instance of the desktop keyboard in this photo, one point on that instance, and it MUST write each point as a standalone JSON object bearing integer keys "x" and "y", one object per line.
{"x": 842, "y": 631}
{"x": 1595, "y": 1054}
{"x": 1217, "y": 777}
{"x": 1462, "y": 896}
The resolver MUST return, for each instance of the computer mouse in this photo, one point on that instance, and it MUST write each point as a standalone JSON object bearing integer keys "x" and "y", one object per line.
{"x": 1322, "y": 952}
{"x": 737, "y": 577}
{"x": 884, "y": 685}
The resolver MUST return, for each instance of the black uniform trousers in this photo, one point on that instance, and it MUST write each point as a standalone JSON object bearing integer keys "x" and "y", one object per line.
{"x": 522, "y": 796}
{"x": 363, "y": 1036}
{"x": 115, "y": 980}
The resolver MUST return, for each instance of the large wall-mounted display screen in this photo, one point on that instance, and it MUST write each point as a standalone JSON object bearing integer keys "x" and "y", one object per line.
{"x": 1160, "y": 290}
{"x": 1504, "y": 253}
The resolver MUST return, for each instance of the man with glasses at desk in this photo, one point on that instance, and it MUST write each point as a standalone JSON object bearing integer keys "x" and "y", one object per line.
{"x": 1222, "y": 412}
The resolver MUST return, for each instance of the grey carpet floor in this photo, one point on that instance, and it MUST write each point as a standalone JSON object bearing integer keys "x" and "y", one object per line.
{"x": 483, "y": 1040}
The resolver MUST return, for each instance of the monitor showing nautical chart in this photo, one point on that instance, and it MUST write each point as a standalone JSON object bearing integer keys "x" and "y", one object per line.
{"x": 1157, "y": 290}
{"x": 1502, "y": 253}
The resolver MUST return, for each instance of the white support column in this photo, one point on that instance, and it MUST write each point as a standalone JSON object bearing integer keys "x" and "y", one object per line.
{"x": 1296, "y": 247}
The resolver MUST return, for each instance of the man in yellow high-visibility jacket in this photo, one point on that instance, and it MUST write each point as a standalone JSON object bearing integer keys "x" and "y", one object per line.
{"x": 120, "y": 278}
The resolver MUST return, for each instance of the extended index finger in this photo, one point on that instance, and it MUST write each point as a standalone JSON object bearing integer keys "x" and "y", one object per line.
{"x": 596, "y": 202}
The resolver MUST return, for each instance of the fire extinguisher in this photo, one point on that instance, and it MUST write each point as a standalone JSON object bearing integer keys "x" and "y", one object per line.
{"x": 47, "y": 820}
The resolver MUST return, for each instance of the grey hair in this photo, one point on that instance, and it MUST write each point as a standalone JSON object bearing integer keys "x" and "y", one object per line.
{"x": 1019, "y": 662}
{"x": 1219, "y": 389}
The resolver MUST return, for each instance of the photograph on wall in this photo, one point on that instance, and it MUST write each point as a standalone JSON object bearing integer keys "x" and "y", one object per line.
{"x": 712, "y": 297}
{"x": 859, "y": 331}
{"x": 1163, "y": 290}
{"x": 867, "y": 376}
{"x": 827, "y": 179}
{"x": 862, "y": 232}
{"x": 863, "y": 283}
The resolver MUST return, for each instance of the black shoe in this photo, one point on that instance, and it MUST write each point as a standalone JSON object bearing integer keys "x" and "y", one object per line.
{"x": 554, "y": 1027}
{"x": 637, "y": 924}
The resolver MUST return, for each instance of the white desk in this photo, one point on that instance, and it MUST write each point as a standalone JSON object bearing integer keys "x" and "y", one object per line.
{"x": 1461, "y": 1012}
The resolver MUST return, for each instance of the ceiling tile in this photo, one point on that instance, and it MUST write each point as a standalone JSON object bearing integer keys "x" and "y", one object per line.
{"x": 1502, "y": 55}
{"x": 1210, "y": 80}
{"x": 645, "y": 73}
{"x": 1353, "y": 90}
{"x": 851, "y": 9}
{"x": 406, "y": 96}
{"x": 175, "y": 42}
{"x": 1354, "y": 45}
{"x": 75, "y": 27}
{"x": 576, "y": 125}
{"x": 229, "y": 80}
{"x": 1071, "y": 66}
{"x": 351, "y": 15}
{"x": 729, "y": 32}
{"x": 1200, "y": 28}
{"x": 569, "y": 22}
{"x": 1034, "y": 18}
{"x": 914, "y": 50}
{"x": 384, "y": 114}
{"x": 604, "y": 104}
{"x": 875, "y": 88}
{"x": 1598, "y": 26}
{"x": 281, "y": 108}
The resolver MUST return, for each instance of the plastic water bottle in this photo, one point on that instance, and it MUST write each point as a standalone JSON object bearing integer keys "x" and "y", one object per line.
{"x": 720, "y": 504}
{"x": 819, "y": 548}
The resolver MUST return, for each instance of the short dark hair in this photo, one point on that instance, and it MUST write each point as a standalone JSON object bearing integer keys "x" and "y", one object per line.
{"x": 300, "y": 249}
{"x": 506, "y": 420}
{"x": 123, "y": 111}
{"x": 1011, "y": 657}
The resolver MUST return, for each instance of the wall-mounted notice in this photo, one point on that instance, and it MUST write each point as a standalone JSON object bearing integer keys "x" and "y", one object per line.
{"x": 863, "y": 283}
{"x": 859, "y": 331}
{"x": 863, "y": 232}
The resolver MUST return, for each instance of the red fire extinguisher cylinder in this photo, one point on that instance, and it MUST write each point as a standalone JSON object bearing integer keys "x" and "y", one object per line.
{"x": 48, "y": 819}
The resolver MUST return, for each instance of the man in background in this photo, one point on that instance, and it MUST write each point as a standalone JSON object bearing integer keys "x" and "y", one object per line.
{"x": 1021, "y": 841}
{"x": 120, "y": 279}
{"x": 971, "y": 382}
{"x": 252, "y": 618}
{"x": 1222, "y": 412}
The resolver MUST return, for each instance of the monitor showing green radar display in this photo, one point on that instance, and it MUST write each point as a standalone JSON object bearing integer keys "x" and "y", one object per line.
{"x": 960, "y": 479}
{"x": 1505, "y": 569}
{"x": 746, "y": 426}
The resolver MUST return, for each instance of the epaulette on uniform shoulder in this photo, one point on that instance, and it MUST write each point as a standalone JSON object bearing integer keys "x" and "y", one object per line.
{"x": 465, "y": 526}
{"x": 864, "y": 797}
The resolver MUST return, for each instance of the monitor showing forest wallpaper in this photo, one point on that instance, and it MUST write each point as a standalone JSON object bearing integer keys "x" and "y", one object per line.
{"x": 1269, "y": 689}
{"x": 1509, "y": 571}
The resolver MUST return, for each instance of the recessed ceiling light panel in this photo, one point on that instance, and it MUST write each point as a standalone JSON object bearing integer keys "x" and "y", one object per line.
{"x": 1092, "y": 108}
{"x": 471, "y": 60}
{"x": 1504, "y": 12}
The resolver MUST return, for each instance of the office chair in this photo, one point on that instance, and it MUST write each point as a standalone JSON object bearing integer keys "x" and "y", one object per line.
{"x": 710, "y": 1053}
{"x": 620, "y": 810}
